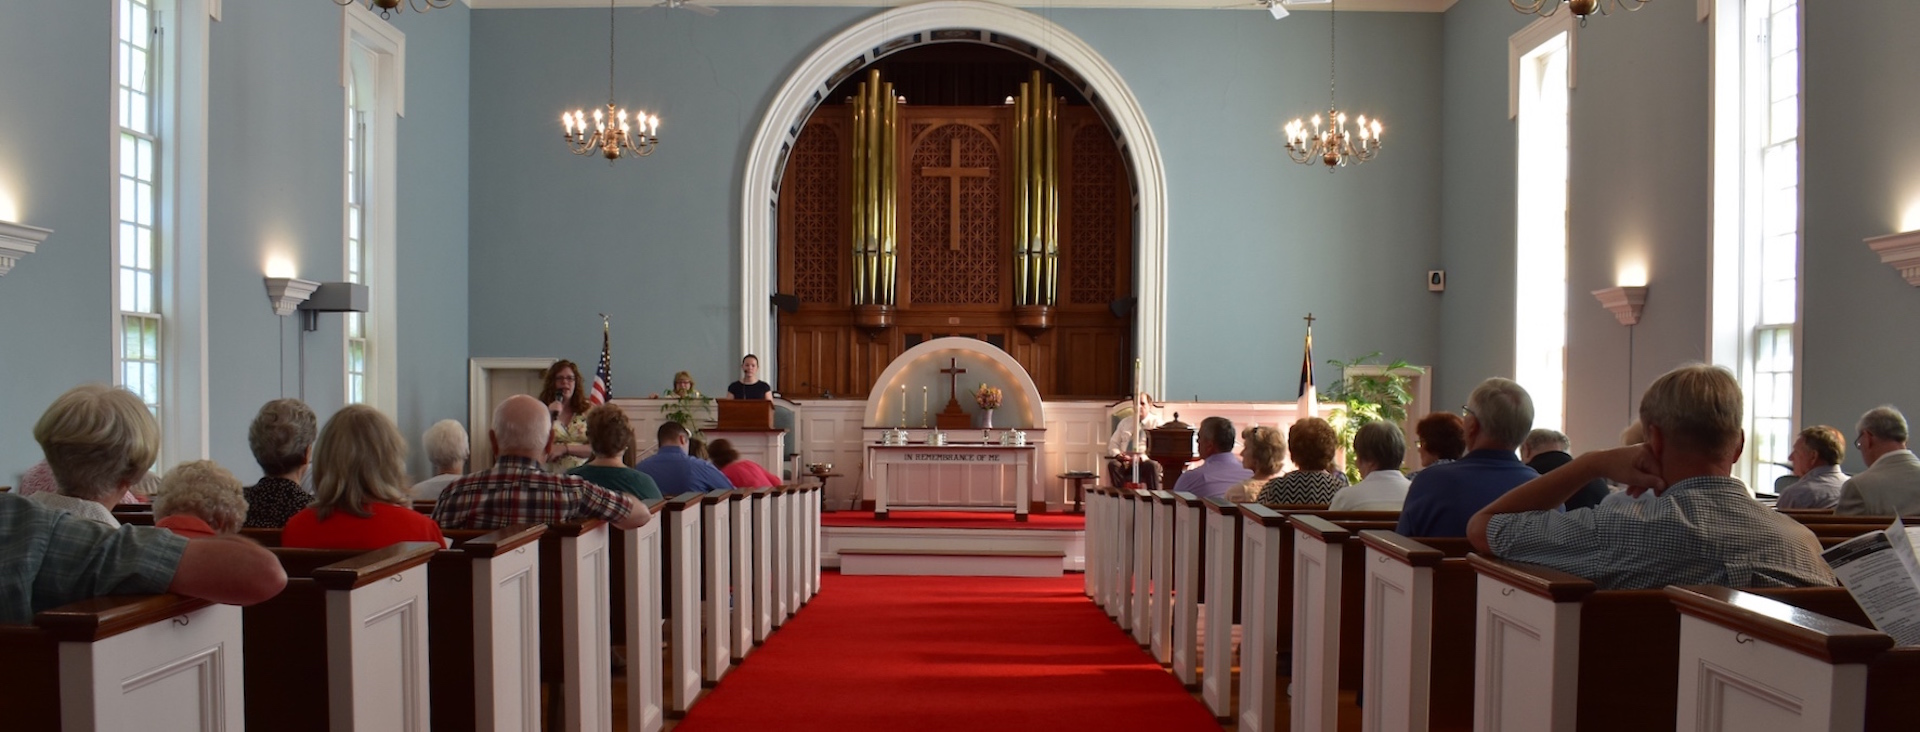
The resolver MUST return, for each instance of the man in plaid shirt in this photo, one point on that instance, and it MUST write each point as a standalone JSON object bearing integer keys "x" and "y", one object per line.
{"x": 1701, "y": 528}
{"x": 518, "y": 490}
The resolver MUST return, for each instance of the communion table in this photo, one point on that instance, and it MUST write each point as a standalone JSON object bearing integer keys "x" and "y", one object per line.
{"x": 952, "y": 477}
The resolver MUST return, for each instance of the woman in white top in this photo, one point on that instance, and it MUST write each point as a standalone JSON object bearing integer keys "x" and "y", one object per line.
{"x": 446, "y": 446}
{"x": 1378, "y": 449}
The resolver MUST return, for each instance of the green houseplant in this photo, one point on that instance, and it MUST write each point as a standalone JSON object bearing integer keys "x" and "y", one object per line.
{"x": 689, "y": 408}
{"x": 1364, "y": 398}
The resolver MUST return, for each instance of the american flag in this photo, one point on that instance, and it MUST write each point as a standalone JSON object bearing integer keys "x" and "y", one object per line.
{"x": 603, "y": 376}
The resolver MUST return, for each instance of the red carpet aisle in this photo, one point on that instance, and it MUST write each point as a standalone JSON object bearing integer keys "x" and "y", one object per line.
{"x": 925, "y": 654}
{"x": 955, "y": 520}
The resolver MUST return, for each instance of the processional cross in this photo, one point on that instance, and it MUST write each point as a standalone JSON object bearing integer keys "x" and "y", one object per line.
{"x": 953, "y": 173}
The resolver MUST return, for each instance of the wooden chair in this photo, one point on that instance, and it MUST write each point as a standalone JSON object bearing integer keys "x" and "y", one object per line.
{"x": 124, "y": 662}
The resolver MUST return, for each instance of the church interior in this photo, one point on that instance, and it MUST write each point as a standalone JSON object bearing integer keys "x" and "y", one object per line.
{"x": 1489, "y": 233}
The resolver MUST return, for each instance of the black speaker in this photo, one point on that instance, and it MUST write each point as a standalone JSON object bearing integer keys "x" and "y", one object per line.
{"x": 787, "y": 303}
{"x": 1121, "y": 307}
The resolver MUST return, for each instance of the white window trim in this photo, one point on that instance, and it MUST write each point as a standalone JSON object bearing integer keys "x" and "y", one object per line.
{"x": 181, "y": 225}
{"x": 1525, "y": 40}
{"x": 385, "y": 53}
{"x": 1557, "y": 31}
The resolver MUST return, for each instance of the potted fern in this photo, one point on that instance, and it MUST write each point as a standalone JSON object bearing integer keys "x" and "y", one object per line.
{"x": 1364, "y": 398}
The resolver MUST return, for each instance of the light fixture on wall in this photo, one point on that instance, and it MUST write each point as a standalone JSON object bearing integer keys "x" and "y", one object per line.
{"x": 387, "y": 7}
{"x": 287, "y": 293}
{"x": 1580, "y": 8}
{"x": 1625, "y": 302}
{"x": 1901, "y": 252}
{"x": 332, "y": 297}
{"x": 17, "y": 241}
{"x": 613, "y": 134}
{"x": 1332, "y": 145}
{"x": 1275, "y": 9}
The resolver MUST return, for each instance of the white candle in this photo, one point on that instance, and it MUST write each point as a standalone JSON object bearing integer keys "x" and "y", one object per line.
{"x": 903, "y": 406}
{"x": 923, "y": 406}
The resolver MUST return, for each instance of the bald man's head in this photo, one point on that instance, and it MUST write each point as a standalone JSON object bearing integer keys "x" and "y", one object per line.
{"x": 522, "y": 426}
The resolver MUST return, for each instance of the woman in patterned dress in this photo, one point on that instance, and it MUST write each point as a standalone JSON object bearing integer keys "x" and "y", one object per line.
{"x": 281, "y": 437}
{"x": 1313, "y": 444}
{"x": 567, "y": 402}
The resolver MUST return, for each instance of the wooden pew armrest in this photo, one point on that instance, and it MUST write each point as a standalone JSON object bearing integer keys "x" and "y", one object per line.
{"x": 1263, "y": 515}
{"x": 1402, "y": 549}
{"x": 98, "y": 618}
{"x": 1222, "y": 506}
{"x": 1802, "y": 631}
{"x": 374, "y": 566}
{"x": 1533, "y": 579}
{"x": 1319, "y": 528}
{"x": 576, "y": 529}
{"x": 500, "y": 541}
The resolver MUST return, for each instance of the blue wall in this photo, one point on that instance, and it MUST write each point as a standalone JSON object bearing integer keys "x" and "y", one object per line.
{"x": 1256, "y": 241}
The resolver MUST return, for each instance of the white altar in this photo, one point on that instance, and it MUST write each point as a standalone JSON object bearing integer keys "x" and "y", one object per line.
{"x": 951, "y": 477}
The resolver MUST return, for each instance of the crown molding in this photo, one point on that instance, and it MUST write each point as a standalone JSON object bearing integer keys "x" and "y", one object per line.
{"x": 18, "y": 241}
{"x": 1380, "y": 6}
{"x": 1901, "y": 252}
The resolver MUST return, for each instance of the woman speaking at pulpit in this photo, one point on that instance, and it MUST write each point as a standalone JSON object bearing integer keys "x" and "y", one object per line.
{"x": 750, "y": 386}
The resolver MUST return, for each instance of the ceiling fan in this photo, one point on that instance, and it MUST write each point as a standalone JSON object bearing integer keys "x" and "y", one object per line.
{"x": 686, "y": 5}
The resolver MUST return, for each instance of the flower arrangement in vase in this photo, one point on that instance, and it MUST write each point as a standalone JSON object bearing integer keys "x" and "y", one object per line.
{"x": 988, "y": 399}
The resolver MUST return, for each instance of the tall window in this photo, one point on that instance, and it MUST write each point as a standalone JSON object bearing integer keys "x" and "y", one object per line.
{"x": 137, "y": 245}
{"x": 1757, "y": 220}
{"x": 1540, "y": 308}
{"x": 356, "y": 241}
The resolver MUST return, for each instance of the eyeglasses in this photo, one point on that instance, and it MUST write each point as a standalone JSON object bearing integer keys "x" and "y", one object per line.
{"x": 1466, "y": 411}
{"x": 1860, "y": 443}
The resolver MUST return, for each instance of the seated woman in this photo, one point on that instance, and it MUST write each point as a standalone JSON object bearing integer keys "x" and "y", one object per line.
{"x": 1263, "y": 452}
{"x": 611, "y": 436}
{"x": 568, "y": 404}
{"x": 200, "y": 498}
{"x": 447, "y": 448}
{"x": 1442, "y": 438}
{"x": 750, "y": 386}
{"x": 281, "y": 437}
{"x": 1313, "y": 443}
{"x": 697, "y": 447}
{"x": 1378, "y": 449}
{"x": 360, "y": 488}
{"x": 742, "y": 473}
{"x": 99, "y": 441}
{"x": 682, "y": 386}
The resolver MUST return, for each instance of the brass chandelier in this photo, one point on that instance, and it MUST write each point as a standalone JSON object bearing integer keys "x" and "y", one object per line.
{"x": 1580, "y": 8}
{"x": 387, "y": 7}
{"x": 1332, "y": 144}
{"x": 613, "y": 133}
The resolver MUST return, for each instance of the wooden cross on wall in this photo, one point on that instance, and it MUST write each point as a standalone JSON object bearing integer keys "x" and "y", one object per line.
{"x": 953, "y": 372}
{"x": 953, "y": 173}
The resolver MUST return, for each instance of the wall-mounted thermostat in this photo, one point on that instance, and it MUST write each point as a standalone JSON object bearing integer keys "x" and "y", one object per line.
{"x": 1436, "y": 280}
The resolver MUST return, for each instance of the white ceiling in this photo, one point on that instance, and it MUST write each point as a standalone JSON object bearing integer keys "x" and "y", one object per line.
{"x": 1393, "y": 6}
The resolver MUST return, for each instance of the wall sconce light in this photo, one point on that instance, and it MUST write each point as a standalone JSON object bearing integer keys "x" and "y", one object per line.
{"x": 1624, "y": 302}
{"x": 286, "y": 293}
{"x": 1901, "y": 252}
{"x": 17, "y": 241}
{"x": 333, "y": 297}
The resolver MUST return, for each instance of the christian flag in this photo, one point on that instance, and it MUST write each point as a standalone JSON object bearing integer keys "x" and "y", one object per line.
{"x": 603, "y": 376}
{"x": 1306, "y": 362}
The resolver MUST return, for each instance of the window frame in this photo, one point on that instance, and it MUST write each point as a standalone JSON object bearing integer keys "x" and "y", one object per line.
{"x": 378, "y": 52}
{"x": 1552, "y": 35}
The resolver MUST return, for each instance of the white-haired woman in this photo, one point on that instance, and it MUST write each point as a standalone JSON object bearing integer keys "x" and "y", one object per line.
{"x": 448, "y": 450}
{"x": 359, "y": 488}
{"x": 99, "y": 441}
{"x": 200, "y": 498}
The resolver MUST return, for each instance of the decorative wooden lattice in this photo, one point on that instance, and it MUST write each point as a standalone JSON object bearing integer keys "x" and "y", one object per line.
{"x": 1093, "y": 242}
{"x": 813, "y": 171}
{"x": 955, "y": 262}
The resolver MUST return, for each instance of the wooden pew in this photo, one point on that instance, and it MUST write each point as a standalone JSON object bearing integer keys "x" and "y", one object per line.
{"x": 1160, "y": 578}
{"x": 350, "y": 628}
{"x": 816, "y": 498}
{"x": 643, "y": 563}
{"x": 1260, "y": 608}
{"x": 1142, "y": 567}
{"x": 1328, "y": 603}
{"x": 740, "y": 557}
{"x": 780, "y": 503}
{"x": 1126, "y": 582}
{"x": 1540, "y": 631}
{"x": 716, "y": 581}
{"x": 1091, "y": 577}
{"x": 576, "y": 652}
{"x": 1224, "y": 544}
{"x": 680, "y": 577}
{"x": 124, "y": 662}
{"x": 1189, "y": 549}
{"x": 763, "y": 563}
{"x": 1747, "y": 660}
{"x": 483, "y": 603}
{"x": 1416, "y": 679}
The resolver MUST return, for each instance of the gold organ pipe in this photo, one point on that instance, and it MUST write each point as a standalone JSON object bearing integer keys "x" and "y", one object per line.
{"x": 859, "y": 201}
{"x": 1020, "y": 198}
{"x": 890, "y": 206}
{"x": 1053, "y": 197}
{"x": 871, "y": 97}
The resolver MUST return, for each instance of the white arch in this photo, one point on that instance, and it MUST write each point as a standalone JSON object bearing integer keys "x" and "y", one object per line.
{"x": 1022, "y": 397}
{"x": 865, "y": 42}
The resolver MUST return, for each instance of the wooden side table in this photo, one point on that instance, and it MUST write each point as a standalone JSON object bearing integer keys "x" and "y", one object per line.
{"x": 824, "y": 493}
{"x": 1078, "y": 488}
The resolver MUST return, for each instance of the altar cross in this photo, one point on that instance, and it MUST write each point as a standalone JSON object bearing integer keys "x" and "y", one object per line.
{"x": 953, "y": 173}
{"x": 953, "y": 372}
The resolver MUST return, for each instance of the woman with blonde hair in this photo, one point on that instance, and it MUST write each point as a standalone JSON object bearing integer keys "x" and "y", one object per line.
{"x": 99, "y": 441}
{"x": 568, "y": 405}
{"x": 360, "y": 488}
{"x": 1263, "y": 451}
{"x": 1313, "y": 444}
{"x": 200, "y": 498}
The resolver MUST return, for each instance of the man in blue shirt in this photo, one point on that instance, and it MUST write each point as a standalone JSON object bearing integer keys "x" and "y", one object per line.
{"x": 1219, "y": 468}
{"x": 1443, "y": 497}
{"x": 677, "y": 472}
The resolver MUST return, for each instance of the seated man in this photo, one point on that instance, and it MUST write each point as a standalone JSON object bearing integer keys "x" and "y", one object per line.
{"x": 1121, "y": 456}
{"x": 675, "y": 470}
{"x": 1890, "y": 486}
{"x": 1816, "y": 456}
{"x": 1219, "y": 470}
{"x": 1701, "y": 527}
{"x": 1441, "y": 498}
{"x": 1547, "y": 449}
{"x": 519, "y": 490}
{"x": 100, "y": 435}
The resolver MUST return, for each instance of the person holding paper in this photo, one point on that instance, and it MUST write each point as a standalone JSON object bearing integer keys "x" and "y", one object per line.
{"x": 1890, "y": 486}
{"x": 1700, "y": 528}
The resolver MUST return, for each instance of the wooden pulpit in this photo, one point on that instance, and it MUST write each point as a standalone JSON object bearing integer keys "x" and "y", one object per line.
{"x": 1172, "y": 446}
{"x": 744, "y": 414}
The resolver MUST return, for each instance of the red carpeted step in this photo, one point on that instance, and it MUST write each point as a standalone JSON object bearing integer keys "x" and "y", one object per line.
{"x": 927, "y": 654}
{"x": 956, "y": 520}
